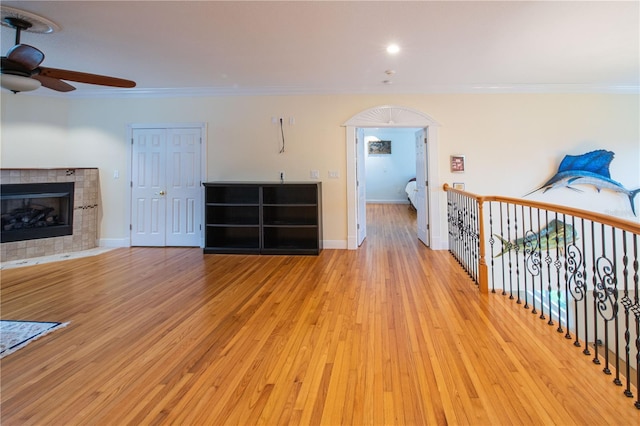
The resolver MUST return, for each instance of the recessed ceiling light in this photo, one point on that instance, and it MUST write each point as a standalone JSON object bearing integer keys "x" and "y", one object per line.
{"x": 393, "y": 49}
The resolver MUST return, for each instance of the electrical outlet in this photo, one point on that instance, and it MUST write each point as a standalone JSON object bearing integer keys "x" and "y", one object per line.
{"x": 334, "y": 174}
{"x": 314, "y": 174}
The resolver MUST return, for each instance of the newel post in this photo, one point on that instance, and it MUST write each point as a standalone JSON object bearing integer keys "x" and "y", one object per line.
{"x": 483, "y": 270}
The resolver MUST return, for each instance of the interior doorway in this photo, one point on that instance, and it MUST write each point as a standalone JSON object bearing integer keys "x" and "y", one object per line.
{"x": 426, "y": 150}
{"x": 389, "y": 166}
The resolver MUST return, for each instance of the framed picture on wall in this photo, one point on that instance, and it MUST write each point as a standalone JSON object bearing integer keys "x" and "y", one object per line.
{"x": 379, "y": 147}
{"x": 457, "y": 163}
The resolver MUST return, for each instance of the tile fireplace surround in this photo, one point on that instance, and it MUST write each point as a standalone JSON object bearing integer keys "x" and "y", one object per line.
{"x": 85, "y": 213}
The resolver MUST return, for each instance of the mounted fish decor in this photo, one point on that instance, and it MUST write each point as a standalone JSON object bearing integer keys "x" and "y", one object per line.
{"x": 553, "y": 236}
{"x": 591, "y": 168}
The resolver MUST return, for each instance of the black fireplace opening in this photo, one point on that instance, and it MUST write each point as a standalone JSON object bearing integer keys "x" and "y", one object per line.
{"x": 31, "y": 211}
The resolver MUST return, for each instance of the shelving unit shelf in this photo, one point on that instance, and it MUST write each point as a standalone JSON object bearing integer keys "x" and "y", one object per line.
{"x": 263, "y": 217}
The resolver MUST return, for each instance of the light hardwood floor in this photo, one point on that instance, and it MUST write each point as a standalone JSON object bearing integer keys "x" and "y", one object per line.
{"x": 393, "y": 333}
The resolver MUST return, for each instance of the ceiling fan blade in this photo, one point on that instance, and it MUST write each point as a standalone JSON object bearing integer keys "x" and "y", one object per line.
{"x": 83, "y": 77}
{"x": 54, "y": 83}
{"x": 25, "y": 55}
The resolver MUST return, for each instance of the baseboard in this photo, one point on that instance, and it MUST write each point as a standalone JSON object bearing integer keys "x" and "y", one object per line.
{"x": 114, "y": 242}
{"x": 405, "y": 201}
{"x": 334, "y": 244}
{"x": 437, "y": 244}
{"x": 124, "y": 242}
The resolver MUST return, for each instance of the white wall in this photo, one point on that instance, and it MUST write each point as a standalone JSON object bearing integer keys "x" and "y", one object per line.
{"x": 388, "y": 174}
{"x": 512, "y": 143}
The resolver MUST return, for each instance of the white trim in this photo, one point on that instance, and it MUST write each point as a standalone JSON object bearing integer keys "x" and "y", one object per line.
{"x": 334, "y": 244}
{"x": 203, "y": 165}
{"x": 114, "y": 242}
{"x": 175, "y": 125}
{"x": 391, "y": 116}
{"x": 400, "y": 201}
{"x": 395, "y": 116}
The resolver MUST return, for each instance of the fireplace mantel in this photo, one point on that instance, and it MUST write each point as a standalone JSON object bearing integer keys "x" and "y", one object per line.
{"x": 85, "y": 212}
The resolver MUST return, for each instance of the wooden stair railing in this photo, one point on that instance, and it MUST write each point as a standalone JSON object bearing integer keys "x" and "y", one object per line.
{"x": 575, "y": 268}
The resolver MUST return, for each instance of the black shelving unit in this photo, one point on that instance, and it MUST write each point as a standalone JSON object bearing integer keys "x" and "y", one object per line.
{"x": 263, "y": 217}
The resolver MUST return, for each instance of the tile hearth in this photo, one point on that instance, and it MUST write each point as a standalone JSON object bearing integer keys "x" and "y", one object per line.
{"x": 85, "y": 213}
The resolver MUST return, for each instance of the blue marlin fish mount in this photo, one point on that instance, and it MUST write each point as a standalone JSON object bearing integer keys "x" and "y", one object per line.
{"x": 591, "y": 168}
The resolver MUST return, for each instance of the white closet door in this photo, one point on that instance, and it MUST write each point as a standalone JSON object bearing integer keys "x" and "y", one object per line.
{"x": 166, "y": 196}
{"x": 183, "y": 193}
{"x": 148, "y": 202}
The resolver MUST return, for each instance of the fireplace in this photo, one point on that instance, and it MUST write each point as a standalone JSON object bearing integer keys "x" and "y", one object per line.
{"x": 31, "y": 211}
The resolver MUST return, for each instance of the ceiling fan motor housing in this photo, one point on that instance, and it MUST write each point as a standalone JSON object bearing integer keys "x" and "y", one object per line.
{"x": 10, "y": 67}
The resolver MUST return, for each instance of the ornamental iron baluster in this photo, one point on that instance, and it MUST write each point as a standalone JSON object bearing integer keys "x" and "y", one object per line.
{"x": 461, "y": 245}
{"x": 636, "y": 311}
{"x": 473, "y": 258}
{"x": 469, "y": 234}
{"x": 604, "y": 289}
{"x": 473, "y": 239}
{"x": 452, "y": 215}
{"x": 616, "y": 321}
{"x": 537, "y": 263}
{"x": 491, "y": 243}
{"x": 460, "y": 229}
{"x": 517, "y": 252}
{"x": 569, "y": 233}
{"x": 510, "y": 246}
{"x": 467, "y": 246}
{"x": 463, "y": 233}
{"x": 626, "y": 303}
{"x": 558, "y": 264}
{"x": 548, "y": 260}
{"x": 504, "y": 245}
{"x": 531, "y": 265}
{"x": 596, "y": 341}
{"x": 586, "y": 350}
{"x": 449, "y": 222}
{"x": 576, "y": 285}
{"x": 566, "y": 275}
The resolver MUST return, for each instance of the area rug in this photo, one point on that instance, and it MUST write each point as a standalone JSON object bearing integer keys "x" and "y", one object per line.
{"x": 17, "y": 334}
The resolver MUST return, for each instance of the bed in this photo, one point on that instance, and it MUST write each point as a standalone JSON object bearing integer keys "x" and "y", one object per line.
{"x": 411, "y": 190}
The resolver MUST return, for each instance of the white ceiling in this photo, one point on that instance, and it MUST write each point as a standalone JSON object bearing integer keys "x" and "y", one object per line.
{"x": 267, "y": 47}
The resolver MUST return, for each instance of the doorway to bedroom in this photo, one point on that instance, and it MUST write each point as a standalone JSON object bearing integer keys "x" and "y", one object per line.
{"x": 390, "y": 162}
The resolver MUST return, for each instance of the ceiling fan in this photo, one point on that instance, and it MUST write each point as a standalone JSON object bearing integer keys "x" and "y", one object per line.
{"x": 21, "y": 71}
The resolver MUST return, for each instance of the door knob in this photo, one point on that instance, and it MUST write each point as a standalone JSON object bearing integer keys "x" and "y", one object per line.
{"x": 161, "y": 192}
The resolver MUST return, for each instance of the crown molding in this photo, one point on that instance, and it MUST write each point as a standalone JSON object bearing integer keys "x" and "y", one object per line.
{"x": 86, "y": 93}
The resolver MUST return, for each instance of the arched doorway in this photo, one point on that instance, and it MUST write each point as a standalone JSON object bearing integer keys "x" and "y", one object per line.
{"x": 394, "y": 116}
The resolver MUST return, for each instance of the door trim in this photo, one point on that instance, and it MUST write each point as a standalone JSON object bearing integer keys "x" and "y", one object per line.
{"x": 203, "y": 164}
{"x": 395, "y": 116}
